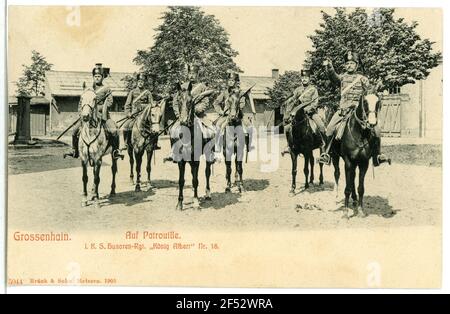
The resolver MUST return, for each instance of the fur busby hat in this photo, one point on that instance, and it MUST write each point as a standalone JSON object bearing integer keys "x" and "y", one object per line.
{"x": 305, "y": 72}
{"x": 99, "y": 69}
{"x": 351, "y": 56}
{"x": 233, "y": 75}
{"x": 141, "y": 76}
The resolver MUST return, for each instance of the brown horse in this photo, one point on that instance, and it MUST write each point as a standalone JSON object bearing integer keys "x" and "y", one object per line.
{"x": 93, "y": 145}
{"x": 144, "y": 136}
{"x": 191, "y": 144}
{"x": 355, "y": 148}
{"x": 304, "y": 141}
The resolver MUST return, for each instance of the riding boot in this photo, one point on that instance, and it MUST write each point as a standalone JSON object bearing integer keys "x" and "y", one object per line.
{"x": 377, "y": 157}
{"x": 325, "y": 157}
{"x": 115, "y": 143}
{"x": 126, "y": 140}
{"x": 170, "y": 157}
{"x": 157, "y": 147}
{"x": 75, "y": 149}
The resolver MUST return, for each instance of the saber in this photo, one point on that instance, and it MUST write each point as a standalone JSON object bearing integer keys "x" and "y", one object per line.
{"x": 66, "y": 130}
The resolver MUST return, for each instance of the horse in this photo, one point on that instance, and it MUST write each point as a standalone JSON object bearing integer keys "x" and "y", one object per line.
{"x": 355, "y": 148}
{"x": 144, "y": 138}
{"x": 234, "y": 141}
{"x": 187, "y": 149}
{"x": 304, "y": 141}
{"x": 93, "y": 145}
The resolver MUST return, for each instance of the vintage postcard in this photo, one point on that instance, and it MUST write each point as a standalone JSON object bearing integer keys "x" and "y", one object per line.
{"x": 222, "y": 146}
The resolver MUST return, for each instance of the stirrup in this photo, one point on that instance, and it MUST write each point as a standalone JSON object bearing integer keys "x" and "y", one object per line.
{"x": 157, "y": 147}
{"x": 382, "y": 159}
{"x": 74, "y": 154}
{"x": 286, "y": 151}
{"x": 168, "y": 159}
{"x": 325, "y": 159}
{"x": 116, "y": 154}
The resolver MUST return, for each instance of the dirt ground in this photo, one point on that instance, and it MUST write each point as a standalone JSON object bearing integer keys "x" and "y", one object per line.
{"x": 45, "y": 194}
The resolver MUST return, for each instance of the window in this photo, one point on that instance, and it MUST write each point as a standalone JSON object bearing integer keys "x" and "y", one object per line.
{"x": 395, "y": 90}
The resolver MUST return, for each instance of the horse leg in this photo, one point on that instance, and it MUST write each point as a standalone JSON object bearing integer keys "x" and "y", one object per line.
{"x": 181, "y": 171}
{"x": 195, "y": 165}
{"x": 97, "y": 168}
{"x": 138, "y": 171}
{"x": 321, "y": 171}
{"x": 208, "y": 178}
{"x": 306, "y": 170}
{"x": 337, "y": 174}
{"x": 294, "y": 173}
{"x": 131, "y": 155}
{"x": 236, "y": 173}
{"x": 228, "y": 176}
{"x": 363, "y": 166}
{"x": 84, "y": 201}
{"x": 311, "y": 163}
{"x": 240, "y": 171}
{"x": 149, "y": 168}
{"x": 348, "y": 185}
{"x": 114, "y": 172}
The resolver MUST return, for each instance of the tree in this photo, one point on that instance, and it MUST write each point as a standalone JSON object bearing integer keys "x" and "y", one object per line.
{"x": 187, "y": 35}
{"x": 32, "y": 81}
{"x": 283, "y": 87}
{"x": 392, "y": 52}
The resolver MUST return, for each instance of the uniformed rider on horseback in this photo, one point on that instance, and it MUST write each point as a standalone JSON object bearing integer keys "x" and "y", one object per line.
{"x": 353, "y": 86}
{"x": 223, "y": 110}
{"x": 104, "y": 101}
{"x": 305, "y": 96}
{"x": 199, "y": 89}
{"x": 138, "y": 99}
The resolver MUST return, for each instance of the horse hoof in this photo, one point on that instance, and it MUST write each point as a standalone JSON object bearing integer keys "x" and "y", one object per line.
{"x": 137, "y": 188}
{"x": 208, "y": 195}
{"x": 196, "y": 204}
{"x": 96, "y": 204}
{"x": 84, "y": 203}
{"x": 362, "y": 213}
{"x": 179, "y": 206}
{"x": 306, "y": 186}
{"x": 228, "y": 190}
{"x": 112, "y": 194}
{"x": 292, "y": 193}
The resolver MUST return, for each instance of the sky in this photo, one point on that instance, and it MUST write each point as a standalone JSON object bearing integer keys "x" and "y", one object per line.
{"x": 265, "y": 37}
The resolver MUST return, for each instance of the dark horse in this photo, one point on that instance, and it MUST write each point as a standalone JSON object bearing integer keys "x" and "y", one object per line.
{"x": 234, "y": 140}
{"x": 191, "y": 144}
{"x": 304, "y": 141}
{"x": 144, "y": 139}
{"x": 355, "y": 147}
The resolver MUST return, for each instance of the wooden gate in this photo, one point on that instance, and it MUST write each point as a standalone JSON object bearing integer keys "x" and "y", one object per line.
{"x": 389, "y": 117}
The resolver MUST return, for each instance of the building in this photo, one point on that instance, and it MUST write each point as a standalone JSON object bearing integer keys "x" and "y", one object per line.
{"x": 63, "y": 90}
{"x": 39, "y": 115}
{"x": 414, "y": 110}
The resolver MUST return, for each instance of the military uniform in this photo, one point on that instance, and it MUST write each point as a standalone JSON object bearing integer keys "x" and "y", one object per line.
{"x": 307, "y": 97}
{"x": 103, "y": 100}
{"x": 223, "y": 107}
{"x": 138, "y": 99}
{"x": 353, "y": 86}
{"x": 201, "y": 106}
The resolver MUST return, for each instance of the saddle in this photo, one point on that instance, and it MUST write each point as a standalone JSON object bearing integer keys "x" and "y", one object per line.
{"x": 340, "y": 128}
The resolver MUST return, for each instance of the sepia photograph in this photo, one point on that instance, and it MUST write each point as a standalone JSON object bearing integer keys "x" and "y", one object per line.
{"x": 224, "y": 146}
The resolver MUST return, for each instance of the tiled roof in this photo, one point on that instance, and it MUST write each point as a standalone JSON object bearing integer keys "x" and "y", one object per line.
{"x": 68, "y": 83}
{"x": 39, "y": 100}
{"x": 262, "y": 84}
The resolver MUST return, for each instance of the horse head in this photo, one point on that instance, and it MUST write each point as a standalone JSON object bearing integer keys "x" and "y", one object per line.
{"x": 371, "y": 105}
{"x": 88, "y": 106}
{"x": 152, "y": 118}
{"x": 185, "y": 104}
{"x": 233, "y": 103}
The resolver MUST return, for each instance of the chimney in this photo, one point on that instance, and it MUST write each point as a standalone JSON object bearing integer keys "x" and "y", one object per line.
{"x": 275, "y": 73}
